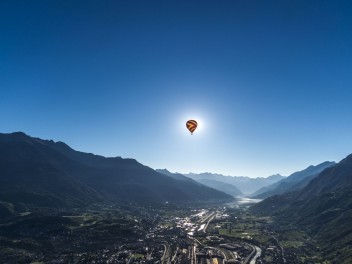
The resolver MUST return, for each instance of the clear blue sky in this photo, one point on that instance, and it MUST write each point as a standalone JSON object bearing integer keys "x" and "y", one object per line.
{"x": 270, "y": 82}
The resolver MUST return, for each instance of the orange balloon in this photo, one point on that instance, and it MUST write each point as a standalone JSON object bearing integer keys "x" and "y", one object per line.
{"x": 191, "y": 125}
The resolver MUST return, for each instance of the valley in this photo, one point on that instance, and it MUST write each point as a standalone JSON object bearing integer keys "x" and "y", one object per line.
{"x": 164, "y": 234}
{"x": 59, "y": 205}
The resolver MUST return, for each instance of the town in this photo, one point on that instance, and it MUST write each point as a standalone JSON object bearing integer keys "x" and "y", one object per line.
{"x": 166, "y": 235}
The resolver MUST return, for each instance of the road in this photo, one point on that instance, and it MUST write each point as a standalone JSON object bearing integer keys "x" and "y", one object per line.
{"x": 258, "y": 251}
{"x": 165, "y": 257}
{"x": 250, "y": 256}
{"x": 211, "y": 218}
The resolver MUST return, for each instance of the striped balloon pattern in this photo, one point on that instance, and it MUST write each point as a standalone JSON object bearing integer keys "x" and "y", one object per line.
{"x": 191, "y": 125}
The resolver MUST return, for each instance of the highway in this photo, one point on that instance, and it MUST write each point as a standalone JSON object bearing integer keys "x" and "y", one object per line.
{"x": 165, "y": 257}
{"x": 257, "y": 255}
{"x": 210, "y": 218}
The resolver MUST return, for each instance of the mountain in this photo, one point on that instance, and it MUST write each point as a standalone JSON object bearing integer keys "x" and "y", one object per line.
{"x": 295, "y": 181}
{"x": 176, "y": 176}
{"x": 245, "y": 184}
{"x": 218, "y": 185}
{"x": 323, "y": 207}
{"x": 36, "y": 172}
{"x": 221, "y": 186}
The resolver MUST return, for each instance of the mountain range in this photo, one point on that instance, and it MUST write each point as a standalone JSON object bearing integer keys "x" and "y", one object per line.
{"x": 294, "y": 182}
{"x": 218, "y": 185}
{"x": 323, "y": 207}
{"x": 44, "y": 173}
{"x": 245, "y": 184}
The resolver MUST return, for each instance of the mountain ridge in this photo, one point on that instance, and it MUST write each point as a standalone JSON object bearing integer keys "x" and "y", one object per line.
{"x": 323, "y": 208}
{"x": 218, "y": 185}
{"x": 38, "y": 172}
{"x": 295, "y": 181}
{"x": 245, "y": 184}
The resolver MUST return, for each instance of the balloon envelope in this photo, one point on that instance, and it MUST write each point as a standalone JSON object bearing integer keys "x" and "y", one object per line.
{"x": 191, "y": 125}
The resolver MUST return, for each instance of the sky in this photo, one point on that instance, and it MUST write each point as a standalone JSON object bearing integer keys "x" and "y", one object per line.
{"x": 269, "y": 82}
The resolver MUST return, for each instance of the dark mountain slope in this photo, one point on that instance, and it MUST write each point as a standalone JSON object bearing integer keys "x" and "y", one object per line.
{"x": 32, "y": 173}
{"x": 140, "y": 176}
{"x": 323, "y": 207}
{"x": 330, "y": 180}
{"x": 44, "y": 173}
{"x": 329, "y": 183}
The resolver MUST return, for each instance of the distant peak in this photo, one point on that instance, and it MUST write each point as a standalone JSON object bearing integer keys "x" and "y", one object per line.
{"x": 276, "y": 176}
{"x": 328, "y": 162}
{"x": 19, "y": 133}
{"x": 163, "y": 170}
{"x": 60, "y": 143}
{"x": 15, "y": 136}
{"x": 325, "y": 163}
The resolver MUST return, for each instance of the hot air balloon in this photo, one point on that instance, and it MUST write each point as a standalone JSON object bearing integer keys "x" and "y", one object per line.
{"x": 191, "y": 125}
